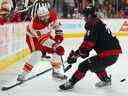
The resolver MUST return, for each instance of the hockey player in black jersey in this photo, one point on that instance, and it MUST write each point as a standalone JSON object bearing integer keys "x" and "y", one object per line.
{"x": 107, "y": 47}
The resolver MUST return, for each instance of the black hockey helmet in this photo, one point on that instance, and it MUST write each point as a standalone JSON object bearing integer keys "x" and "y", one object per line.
{"x": 89, "y": 10}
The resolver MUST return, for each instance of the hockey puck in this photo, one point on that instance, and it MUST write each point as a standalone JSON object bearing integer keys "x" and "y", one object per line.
{"x": 122, "y": 80}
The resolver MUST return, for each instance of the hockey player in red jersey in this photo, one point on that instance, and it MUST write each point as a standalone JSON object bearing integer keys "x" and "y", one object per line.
{"x": 107, "y": 47}
{"x": 41, "y": 37}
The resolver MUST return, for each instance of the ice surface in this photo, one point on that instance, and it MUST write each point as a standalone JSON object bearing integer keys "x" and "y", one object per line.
{"x": 45, "y": 85}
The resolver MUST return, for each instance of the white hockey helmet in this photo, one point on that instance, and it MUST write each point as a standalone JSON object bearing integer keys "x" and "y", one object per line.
{"x": 42, "y": 11}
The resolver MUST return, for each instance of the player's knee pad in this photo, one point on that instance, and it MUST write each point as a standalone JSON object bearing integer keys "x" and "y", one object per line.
{"x": 84, "y": 66}
{"x": 35, "y": 56}
{"x": 59, "y": 50}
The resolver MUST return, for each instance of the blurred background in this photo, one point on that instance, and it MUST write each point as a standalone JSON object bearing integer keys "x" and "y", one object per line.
{"x": 67, "y": 9}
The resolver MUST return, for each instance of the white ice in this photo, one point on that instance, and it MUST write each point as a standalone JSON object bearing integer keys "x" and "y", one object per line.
{"x": 45, "y": 85}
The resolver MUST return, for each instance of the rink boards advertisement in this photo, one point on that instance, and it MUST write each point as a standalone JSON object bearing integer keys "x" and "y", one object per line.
{"x": 12, "y": 36}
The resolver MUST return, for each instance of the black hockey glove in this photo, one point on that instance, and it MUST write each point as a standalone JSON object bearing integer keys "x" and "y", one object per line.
{"x": 72, "y": 58}
{"x": 83, "y": 53}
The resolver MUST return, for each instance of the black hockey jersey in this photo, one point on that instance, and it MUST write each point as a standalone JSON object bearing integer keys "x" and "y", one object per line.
{"x": 99, "y": 38}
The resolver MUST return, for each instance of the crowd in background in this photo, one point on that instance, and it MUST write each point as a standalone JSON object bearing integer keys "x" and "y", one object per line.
{"x": 104, "y": 8}
{"x": 9, "y": 9}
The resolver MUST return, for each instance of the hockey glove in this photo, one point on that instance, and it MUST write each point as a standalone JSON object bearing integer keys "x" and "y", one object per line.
{"x": 59, "y": 38}
{"x": 72, "y": 58}
{"x": 58, "y": 49}
{"x": 83, "y": 53}
{"x": 59, "y": 35}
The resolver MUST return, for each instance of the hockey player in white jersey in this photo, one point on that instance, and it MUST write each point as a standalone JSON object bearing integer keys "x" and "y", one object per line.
{"x": 40, "y": 38}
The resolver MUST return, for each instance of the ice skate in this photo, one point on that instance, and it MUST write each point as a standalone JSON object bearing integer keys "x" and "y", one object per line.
{"x": 104, "y": 83}
{"x": 66, "y": 86}
{"x": 58, "y": 71}
{"x": 59, "y": 75}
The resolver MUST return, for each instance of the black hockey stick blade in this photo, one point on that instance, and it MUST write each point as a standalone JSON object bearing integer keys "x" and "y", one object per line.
{"x": 19, "y": 83}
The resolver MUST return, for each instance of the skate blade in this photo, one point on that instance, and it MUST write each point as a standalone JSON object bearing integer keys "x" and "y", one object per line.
{"x": 59, "y": 78}
{"x": 105, "y": 86}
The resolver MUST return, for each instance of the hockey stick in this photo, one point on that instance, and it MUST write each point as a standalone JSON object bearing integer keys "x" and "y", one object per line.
{"x": 30, "y": 78}
{"x": 65, "y": 68}
{"x": 62, "y": 63}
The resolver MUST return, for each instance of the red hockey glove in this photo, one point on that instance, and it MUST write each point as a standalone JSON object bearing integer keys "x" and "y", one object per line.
{"x": 59, "y": 50}
{"x": 59, "y": 38}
